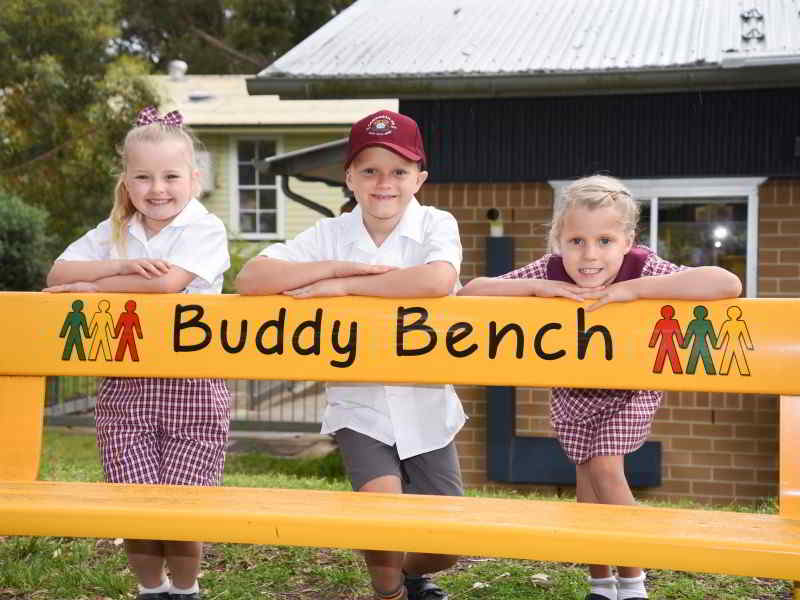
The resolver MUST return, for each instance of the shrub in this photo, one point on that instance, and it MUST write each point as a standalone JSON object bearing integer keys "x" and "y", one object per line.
{"x": 23, "y": 245}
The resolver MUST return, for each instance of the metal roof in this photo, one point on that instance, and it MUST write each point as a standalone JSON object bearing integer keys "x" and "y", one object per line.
{"x": 385, "y": 40}
{"x": 222, "y": 100}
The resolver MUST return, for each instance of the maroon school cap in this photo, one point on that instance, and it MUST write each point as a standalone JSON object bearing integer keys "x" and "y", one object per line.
{"x": 388, "y": 129}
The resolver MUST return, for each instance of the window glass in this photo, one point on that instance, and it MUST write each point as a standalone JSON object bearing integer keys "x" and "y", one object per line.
{"x": 257, "y": 192}
{"x": 703, "y": 231}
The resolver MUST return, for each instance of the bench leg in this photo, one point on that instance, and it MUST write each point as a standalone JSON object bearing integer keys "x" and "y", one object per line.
{"x": 21, "y": 413}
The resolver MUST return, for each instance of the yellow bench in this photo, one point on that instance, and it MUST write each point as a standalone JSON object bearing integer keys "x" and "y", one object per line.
{"x": 458, "y": 340}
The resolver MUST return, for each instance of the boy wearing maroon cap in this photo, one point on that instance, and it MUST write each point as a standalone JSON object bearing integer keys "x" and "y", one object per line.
{"x": 393, "y": 439}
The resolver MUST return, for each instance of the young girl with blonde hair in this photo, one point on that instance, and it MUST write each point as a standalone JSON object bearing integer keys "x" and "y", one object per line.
{"x": 158, "y": 239}
{"x": 592, "y": 256}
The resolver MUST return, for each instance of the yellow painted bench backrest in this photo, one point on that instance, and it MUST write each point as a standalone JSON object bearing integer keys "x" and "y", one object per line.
{"x": 738, "y": 345}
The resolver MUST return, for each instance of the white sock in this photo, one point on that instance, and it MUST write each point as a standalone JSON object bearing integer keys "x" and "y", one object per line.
{"x": 178, "y": 591}
{"x": 164, "y": 587}
{"x": 604, "y": 586}
{"x": 631, "y": 587}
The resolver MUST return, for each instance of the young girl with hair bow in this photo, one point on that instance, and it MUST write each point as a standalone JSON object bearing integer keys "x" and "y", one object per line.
{"x": 158, "y": 239}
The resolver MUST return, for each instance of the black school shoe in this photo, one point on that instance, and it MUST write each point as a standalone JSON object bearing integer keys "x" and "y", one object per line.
{"x": 192, "y": 596}
{"x": 158, "y": 596}
{"x": 422, "y": 588}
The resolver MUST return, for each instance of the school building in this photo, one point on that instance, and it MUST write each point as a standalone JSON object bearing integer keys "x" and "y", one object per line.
{"x": 696, "y": 105}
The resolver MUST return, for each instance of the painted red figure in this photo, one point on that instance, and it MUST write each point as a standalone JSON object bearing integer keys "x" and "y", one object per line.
{"x": 667, "y": 328}
{"x": 127, "y": 323}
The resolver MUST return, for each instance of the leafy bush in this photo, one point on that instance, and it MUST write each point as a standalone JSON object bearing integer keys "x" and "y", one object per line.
{"x": 23, "y": 245}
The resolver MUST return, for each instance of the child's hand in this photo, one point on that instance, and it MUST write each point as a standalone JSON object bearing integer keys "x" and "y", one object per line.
{"x": 616, "y": 292}
{"x": 78, "y": 287}
{"x": 346, "y": 268}
{"x": 146, "y": 267}
{"x": 320, "y": 289}
{"x": 546, "y": 288}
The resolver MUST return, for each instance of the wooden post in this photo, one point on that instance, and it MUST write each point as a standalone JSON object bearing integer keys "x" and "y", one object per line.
{"x": 21, "y": 413}
{"x": 790, "y": 465}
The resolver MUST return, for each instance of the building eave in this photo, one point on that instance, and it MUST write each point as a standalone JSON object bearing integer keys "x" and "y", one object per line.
{"x": 431, "y": 87}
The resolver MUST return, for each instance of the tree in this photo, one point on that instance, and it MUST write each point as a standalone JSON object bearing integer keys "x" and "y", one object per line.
{"x": 220, "y": 36}
{"x": 66, "y": 102}
{"x": 22, "y": 245}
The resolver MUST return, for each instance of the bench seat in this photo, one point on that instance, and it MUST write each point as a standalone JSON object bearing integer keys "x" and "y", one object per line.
{"x": 691, "y": 540}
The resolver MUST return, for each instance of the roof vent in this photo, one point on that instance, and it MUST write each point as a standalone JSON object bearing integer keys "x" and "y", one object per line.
{"x": 177, "y": 70}
{"x": 200, "y": 96}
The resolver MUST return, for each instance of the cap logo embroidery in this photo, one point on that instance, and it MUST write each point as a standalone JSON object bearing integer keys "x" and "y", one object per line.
{"x": 381, "y": 125}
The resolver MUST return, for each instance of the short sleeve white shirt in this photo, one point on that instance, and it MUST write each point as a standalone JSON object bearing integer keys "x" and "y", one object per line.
{"x": 195, "y": 240}
{"x": 415, "y": 418}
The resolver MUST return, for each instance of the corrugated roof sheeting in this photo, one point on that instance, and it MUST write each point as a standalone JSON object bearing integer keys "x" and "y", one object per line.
{"x": 379, "y": 38}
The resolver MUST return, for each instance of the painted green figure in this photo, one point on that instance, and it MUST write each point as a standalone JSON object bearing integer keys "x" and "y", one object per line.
{"x": 101, "y": 329}
{"x": 700, "y": 333}
{"x": 74, "y": 325}
{"x": 733, "y": 334}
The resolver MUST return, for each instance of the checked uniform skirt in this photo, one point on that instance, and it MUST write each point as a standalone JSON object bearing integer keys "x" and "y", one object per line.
{"x": 599, "y": 422}
{"x": 163, "y": 431}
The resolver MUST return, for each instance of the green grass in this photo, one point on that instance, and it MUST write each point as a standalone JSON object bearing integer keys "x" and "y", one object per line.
{"x": 88, "y": 569}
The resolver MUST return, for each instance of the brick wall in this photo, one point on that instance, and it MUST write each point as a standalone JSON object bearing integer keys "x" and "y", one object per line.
{"x": 717, "y": 448}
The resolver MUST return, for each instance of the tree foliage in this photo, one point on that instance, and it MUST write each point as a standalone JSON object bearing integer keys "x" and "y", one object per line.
{"x": 65, "y": 104}
{"x": 72, "y": 82}
{"x": 220, "y": 36}
{"x": 22, "y": 245}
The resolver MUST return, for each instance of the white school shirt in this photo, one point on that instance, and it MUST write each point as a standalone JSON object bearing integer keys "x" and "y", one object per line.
{"x": 415, "y": 418}
{"x": 194, "y": 240}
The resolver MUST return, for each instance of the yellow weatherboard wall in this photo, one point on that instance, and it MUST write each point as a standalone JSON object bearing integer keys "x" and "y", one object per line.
{"x": 486, "y": 341}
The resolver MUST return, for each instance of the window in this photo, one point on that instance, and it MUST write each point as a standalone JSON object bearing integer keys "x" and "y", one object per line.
{"x": 258, "y": 198}
{"x": 699, "y": 222}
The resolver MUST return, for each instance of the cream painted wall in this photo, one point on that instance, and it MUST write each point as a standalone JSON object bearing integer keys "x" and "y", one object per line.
{"x": 297, "y": 218}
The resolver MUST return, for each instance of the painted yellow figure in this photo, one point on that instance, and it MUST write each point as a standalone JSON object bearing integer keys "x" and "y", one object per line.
{"x": 101, "y": 329}
{"x": 732, "y": 334}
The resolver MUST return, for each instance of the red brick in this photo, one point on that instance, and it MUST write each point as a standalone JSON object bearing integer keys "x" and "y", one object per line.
{"x": 691, "y": 444}
{"x": 779, "y": 270}
{"x": 670, "y": 458}
{"x": 767, "y": 401}
{"x": 755, "y": 460}
{"x": 697, "y": 415}
{"x": 768, "y": 476}
{"x": 790, "y": 256}
{"x": 734, "y": 416}
{"x": 767, "y": 256}
{"x": 758, "y": 432}
{"x": 790, "y": 226}
{"x": 755, "y": 490}
{"x": 769, "y": 447}
{"x": 768, "y": 227}
{"x": 715, "y": 431}
{"x": 721, "y": 474}
{"x": 711, "y": 459}
{"x": 767, "y": 417}
{"x": 744, "y": 446}
{"x": 780, "y": 241}
{"x": 789, "y": 286}
{"x": 777, "y": 212}
{"x": 675, "y": 487}
{"x": 670, "y": 429}
{"x": 703, "y": 473}
{"x": 712, "y": 488}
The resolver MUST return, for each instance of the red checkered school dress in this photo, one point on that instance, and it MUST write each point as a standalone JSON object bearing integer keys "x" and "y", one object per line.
{"x": 600, "y": 422}
{"x": 165, "y": 431}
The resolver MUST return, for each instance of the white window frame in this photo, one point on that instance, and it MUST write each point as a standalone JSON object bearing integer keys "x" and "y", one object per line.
{"x": 724, "y": 187}
{"x": 280, "y": 199}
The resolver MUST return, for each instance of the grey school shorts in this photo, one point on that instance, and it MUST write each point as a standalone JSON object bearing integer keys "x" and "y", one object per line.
{"x": 434, "y": 473}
